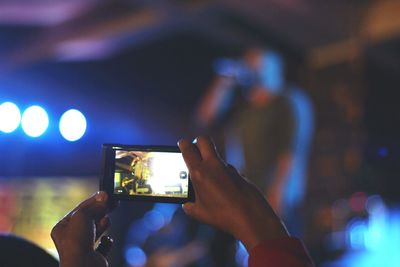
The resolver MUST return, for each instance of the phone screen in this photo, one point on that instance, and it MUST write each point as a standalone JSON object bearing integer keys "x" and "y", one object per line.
{"x": 150, "y": 173}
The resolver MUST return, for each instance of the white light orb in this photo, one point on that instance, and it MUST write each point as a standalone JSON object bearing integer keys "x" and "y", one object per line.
{"x": 72, "y": 125}
{"x": 10, "y": 117}
{"x": 35, "y": 121}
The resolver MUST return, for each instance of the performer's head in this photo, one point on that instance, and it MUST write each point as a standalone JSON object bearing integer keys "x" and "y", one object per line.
{"x": 268, "y": 72}
{"x": 269, "y": 66}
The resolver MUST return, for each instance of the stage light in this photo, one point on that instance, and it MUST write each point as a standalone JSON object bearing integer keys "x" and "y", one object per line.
{"x": 154, "y": 220}
{"x": 242, "y": 256}
{"x": 135, "y": 256}
{"x": 10, "y": 117}
{"x": 34, "y": 121}
{"x": 72, "y": 125}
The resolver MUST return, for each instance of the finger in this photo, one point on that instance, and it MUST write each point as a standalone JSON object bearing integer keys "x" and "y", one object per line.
{"x": 56, "y": 232}
{"x": 102, "y": 226}
{"x": 64, "y": 221}
{"x": 98, "y": 196}
{"x": 235, "y": 173}
{"x": 98, "y": 199}
{"x": 105, "y": 245}
{"x": 233, "y": 170}
{"x": 231, "y": 167}
{"x": 58, "y": 228}
{"x": 193, "y": 210}
{"x": 190, "y": 153}
{"x": 206, "y": 147}
{"x": 95, "y": 211}
{"x": 189, "y": 208}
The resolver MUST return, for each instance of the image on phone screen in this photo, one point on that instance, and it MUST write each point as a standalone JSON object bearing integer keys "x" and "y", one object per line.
{"x": 150, "y": 173}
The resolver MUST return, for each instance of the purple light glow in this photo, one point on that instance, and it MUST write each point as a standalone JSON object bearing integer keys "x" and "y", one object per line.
{"x": 45, "y": 13}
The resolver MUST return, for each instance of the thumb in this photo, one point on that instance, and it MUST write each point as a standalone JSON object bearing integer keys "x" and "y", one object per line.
{"x": 191, "y": 209}
{"x": 196, "y": 212}
{"x": 188, "y": 208}
{"x": 95, "y": 210}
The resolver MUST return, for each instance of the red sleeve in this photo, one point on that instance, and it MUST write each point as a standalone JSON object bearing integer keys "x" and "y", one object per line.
{"x": 282, "y": 252}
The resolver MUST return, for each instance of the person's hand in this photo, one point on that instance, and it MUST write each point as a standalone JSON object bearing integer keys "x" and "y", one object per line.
{"x": 225, "y": 199}
{"x": 76, "y": 234}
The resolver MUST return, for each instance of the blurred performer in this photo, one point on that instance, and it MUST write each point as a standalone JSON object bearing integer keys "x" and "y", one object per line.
{"x": 265, "y": 130}
{"x": 128, "y": 185}
{"x": 264, "y": 127}
{"x": 134, "y": 167}
{"x": 141, "y": 172}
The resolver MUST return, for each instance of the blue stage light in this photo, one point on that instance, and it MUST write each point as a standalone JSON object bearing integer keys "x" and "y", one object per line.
{"x": 10, "y": 117}
{"x": 135, "y": 257}
{"x": 154, "y": 220}
{"x": 242, "y": 256}
{"x": 34, "y": 121}
{"x": 72, "y": 125}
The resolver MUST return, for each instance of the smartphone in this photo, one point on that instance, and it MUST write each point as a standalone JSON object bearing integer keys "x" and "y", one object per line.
{"x": 149, "y": 173}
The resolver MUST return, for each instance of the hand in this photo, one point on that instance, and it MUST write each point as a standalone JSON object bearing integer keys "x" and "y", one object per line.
{"x": 225, "y": 199}
{"x": 75, "y": 235}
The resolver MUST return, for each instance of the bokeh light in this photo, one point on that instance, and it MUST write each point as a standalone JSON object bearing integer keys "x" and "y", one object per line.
{"x": 35, "y": 121}
{"x": 135, "y": 256}
{"x": 72, "y": 125}
{"x": 10, "y": 117}
{"x": 154, "y": 220}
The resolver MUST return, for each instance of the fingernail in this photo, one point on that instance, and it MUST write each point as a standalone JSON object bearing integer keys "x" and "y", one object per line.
{"x": 100, "y": 196}
{"x": 195, "y": 141}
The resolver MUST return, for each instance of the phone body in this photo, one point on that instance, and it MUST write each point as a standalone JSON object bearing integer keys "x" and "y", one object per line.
{"x": 148, "y": 173}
